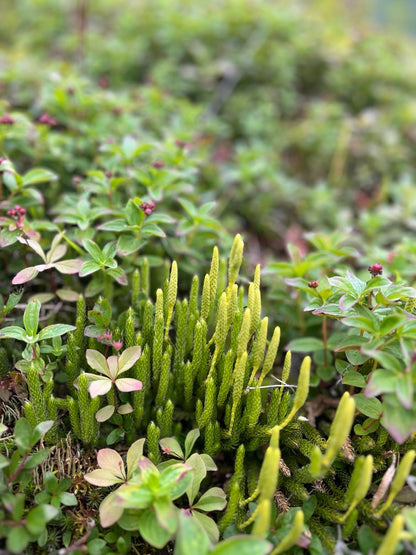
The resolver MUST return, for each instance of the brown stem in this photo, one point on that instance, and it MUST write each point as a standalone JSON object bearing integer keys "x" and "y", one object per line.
{"x": 18, "y": 469}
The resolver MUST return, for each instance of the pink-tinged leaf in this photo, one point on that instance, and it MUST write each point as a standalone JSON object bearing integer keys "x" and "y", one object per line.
{"x": 43, "y": 267}
{"x": 25, "y": 275}
{"x": 72, "y": 266}
{"x": 37, "y": 248}
{"x": 109, "y": 511}
{"x": 103, "y": 478}
{"x": 100, "y": 387}
{"x": 105, "y": 413}
{"x": 133, "y": 455}
{"x": 128, "y": 358}
{"x": 97, "y": 361}
{"x": 128, "y": 384}
{"x": 112, "y": 363}
{"x": 90, "y": 377}
{"x": 56, "y": 253}
{"x": 125, "y": 409}
{"x": 108, "y": 459}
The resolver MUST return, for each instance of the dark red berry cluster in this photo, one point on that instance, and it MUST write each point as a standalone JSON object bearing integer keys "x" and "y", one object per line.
{"x": 376, "y": 269}
{"x": 313, "y": 284}
{"x": 158, "y": 164}
{"x": 18, "y": 214}
{"x": 7, "y": 119}
{"x": 181, "y": 144}
{"x": 16, "y": 211}
{"x": 47, "y": 119}
{"x": 147, "y": 207}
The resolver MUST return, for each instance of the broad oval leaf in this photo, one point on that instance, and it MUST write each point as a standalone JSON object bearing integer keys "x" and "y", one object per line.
{"x": 72, "y": 266}
{"x": 212, "y": 500}
{"x": 97, "y": 361}
{"x": 109, "y": 459}
{"x": 103, "y": 478}
{"x": 105, "y": 413}
{"x": 128, "y": 358}
{"x": 128, "y": 384}
{"x": 25, "y": 275}
{"x": 100, "y": 387}
{"x": 55, "y": 331}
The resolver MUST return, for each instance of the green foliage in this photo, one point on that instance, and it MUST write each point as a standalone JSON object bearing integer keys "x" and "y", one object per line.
{"x": 118, "y": 176}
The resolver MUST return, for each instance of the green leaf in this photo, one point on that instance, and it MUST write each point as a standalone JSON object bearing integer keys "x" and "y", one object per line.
{"x": 361, "y": 322}
{"x": 36, "y": 458}
{"x": 399, "y": 421}
{"x": 380, "y": 381}
{"x": 170, "y": 446}
{"x": 306, "y": 345}
{"x": 191, "y": 537}
{"x": 134, "y": 214}
{"x": 166, "y": 514}
{"x": 12, "y": 301}
{"x": 404, "y": 390}
{"x": 51, "y": 482}
{"x": 89, "y": 267}
{"x": 23, "y": 434}
{"x": 38, "y": 517}
{"x": 369, "y": 407}
{"x": 351, "y": 342}
{"x": 391, "y": 322}
{"x": 209, "y": 525}
{"x": 175, "y": 480}
{"x": 40, "y": 430}
{"x": 54, "y": 331}
{"x": 198, "y": 465}
{"x": 93, "y": 250}
{"x": 17, "y": 540}
{"x": 151, "y": 531}
{"x": 353, "y": 378}
{"x": 31, "y": 317}
{"x": 113, "y": 225}
{"x": 135, "y": 496}
{"x": 212, "y": 500}
{"x": 190, "y": 440}
{"x": 152, "y": 229}
{"x": 242, "y": 545}
{"x": 127, "y": 244}
{"x": 118, "y": 274}
{"x": 38, "y": 175}
{"x": 386, "y": 360}
{"x": 13, "y": 332}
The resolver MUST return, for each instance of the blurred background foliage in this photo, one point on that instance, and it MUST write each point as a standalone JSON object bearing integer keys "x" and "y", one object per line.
{"x": 301, "y": 115}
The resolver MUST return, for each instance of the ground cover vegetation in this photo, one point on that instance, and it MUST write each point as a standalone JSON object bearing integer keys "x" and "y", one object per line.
{"x": 207, "y": 284}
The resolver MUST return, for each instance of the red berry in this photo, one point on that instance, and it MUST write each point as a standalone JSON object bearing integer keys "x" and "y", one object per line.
{"x": 7, "y": 119}
{"x": 376, "y": 269}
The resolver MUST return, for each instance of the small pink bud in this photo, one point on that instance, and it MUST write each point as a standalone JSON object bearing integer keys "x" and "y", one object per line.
{"x": 108, "y": 174}
{"x": 117, "y": 345}
{"x": 148, "y": 211}
{"x": 108, "y": 335}
{"x": 313, "y": 284}
{"x": 76, "y": 180}
{"x": 158, "y": 164}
